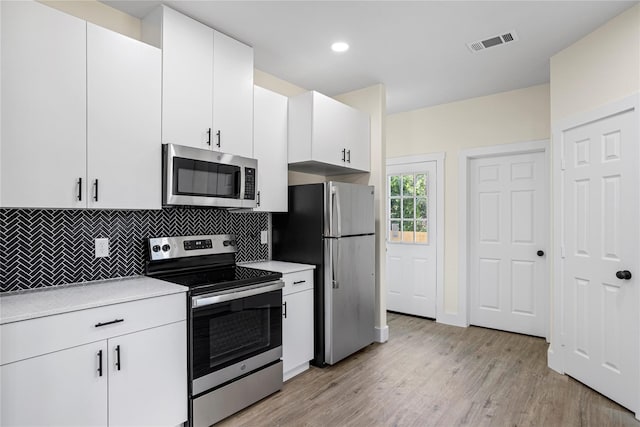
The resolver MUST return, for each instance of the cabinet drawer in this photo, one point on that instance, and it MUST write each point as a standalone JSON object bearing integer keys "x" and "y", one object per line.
{"x": 29, "y": 338}
{"x": 296, "y": 282}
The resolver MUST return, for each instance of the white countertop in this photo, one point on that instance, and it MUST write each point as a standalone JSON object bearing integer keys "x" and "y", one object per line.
{"x": 19, "y": 306}
{"x": 279, "y": 266}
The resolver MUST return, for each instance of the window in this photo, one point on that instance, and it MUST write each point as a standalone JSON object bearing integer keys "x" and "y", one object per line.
{"x": 407, "y": 207}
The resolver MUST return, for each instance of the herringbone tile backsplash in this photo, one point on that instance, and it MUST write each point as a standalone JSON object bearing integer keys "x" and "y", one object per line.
{"x": 40, "y": 248}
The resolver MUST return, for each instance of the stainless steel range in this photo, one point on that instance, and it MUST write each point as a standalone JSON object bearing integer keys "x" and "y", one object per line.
{"x": 234, "y": 323}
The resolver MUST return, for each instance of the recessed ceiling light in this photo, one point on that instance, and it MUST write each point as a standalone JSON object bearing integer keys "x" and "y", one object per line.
{"x": 340, "y": 47}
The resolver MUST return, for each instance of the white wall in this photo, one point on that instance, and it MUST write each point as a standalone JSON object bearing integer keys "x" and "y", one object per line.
{"x": 602, "y": 67}
{"x": 519, "y": 115}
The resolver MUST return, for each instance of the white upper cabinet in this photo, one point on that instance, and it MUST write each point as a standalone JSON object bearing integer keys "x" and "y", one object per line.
{"x": 80, "y": 114}
{"x": 123, "y": 113}
{"x": 232, "y": 95}
{"x": 187, "y": 83}
{"x": 44, "y": 94}
{"x": 327, "y": 136}
{"x": 270, "y": 148}
{"x": 207, "y": 84}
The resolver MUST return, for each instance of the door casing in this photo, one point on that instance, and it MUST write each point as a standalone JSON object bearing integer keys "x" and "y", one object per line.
{"x": 441, "y": 315}
{"x": 465, "y": 157}
{"x": 555, "y": 355}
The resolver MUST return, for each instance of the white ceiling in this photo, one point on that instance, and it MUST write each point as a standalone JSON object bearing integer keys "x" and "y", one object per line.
{"x": 417, "y": 49}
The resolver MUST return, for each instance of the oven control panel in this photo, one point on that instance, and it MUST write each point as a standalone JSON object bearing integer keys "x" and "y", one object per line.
{"x": 191, "y": 245}
{"x": 162, "y": 248}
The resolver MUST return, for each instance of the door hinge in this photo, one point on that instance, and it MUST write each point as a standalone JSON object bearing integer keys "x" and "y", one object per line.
{"x": 563, "y": 254}
{"x": 563, "y": 164}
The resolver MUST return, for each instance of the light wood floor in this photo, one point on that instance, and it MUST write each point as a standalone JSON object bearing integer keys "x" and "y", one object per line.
{"x": 430, "y": 374}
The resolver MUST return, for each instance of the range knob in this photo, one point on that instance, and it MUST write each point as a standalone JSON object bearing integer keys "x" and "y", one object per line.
{"x": 226, "y": 243}
{"x": 165, "y": 248}
{"x": 233, "y": 242}
{"x": 156, "y": 248}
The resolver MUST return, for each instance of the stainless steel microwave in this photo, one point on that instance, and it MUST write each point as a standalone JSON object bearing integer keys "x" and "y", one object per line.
{"x": 197, "y": 177}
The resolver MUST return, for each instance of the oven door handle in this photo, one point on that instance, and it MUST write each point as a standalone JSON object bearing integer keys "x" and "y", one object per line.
{"x": 205, "y": 300}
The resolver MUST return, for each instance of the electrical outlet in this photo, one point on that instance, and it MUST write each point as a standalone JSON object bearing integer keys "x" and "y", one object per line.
{"x": 264, "y": 237}
{"x": 102, "y": 248}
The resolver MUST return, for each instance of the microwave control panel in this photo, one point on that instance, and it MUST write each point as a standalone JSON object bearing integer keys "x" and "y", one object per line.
{"x": 249, "y": 183}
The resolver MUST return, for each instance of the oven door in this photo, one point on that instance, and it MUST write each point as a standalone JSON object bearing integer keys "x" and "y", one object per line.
{"x": 234, "y": 334}
{"x": 199, "y": 177}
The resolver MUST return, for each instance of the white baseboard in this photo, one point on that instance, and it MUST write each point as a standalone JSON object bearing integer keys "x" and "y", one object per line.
{"x": 382, "y": 333}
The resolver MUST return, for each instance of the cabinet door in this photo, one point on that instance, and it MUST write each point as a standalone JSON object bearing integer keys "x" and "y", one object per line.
{"x": 187, "y": 82}
{"x": 148, "y": 377}
{"x": 297, "y": 332}
{"x": 123, "y": 113}
{"x": 359, "y": 142}
{"x": 330, "y": 130}
{"x": 62, "y": 388}
{"x": 232, "y": 96}
{"x": 270, "y": 148}
{"x": 43, "y": 143}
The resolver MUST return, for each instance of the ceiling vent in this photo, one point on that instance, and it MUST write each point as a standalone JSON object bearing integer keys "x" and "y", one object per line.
{"x": 498, "y": 40}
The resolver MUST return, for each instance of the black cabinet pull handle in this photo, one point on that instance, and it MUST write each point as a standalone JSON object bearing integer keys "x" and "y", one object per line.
{"x": 344, "y": 154}
{"x": 100, "y": 363}
{"x": 298, "y": 282}
{"x": 219, "y": 139}
{"x": 623, "y": 275}
{"x": 95, "y": 194}
{"x": 80, "y": 189}
{"x": 540, "y": 253}
{"x": 284, "y": 313}
{"x": 118, "y": 364}
{"x": 209, "y": 137}
{"x": 348, "y": 156}
{"x": 258, "y": 202}
{"x": 97, "y": 325}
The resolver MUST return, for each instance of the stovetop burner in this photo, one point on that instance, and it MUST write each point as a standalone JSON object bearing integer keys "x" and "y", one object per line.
{"x": 203, "y": 263}
{"x": 221, "y": 278}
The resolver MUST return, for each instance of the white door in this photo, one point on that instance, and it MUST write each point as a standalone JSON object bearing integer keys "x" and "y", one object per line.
{"x": 148, "y": 377}
{"x": 411, "y": 238}
{"x": 297, "y": 332}
{"x": 600, "y": 239}
{"x": 64, "y": 388}
{"x": 123, "y": 120}
{"x": 508, "y": 243}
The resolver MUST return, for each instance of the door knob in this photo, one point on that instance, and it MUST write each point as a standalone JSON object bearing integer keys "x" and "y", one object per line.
{"x": 623, "y": 274}
{"x": 540, "y": 253}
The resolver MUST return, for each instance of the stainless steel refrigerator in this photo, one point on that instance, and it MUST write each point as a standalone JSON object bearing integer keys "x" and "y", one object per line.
{"x": 332, "y": 225}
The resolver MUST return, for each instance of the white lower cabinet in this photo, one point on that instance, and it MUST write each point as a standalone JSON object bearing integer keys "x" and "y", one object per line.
{"x": 127, "y": 377}
{"x": 148, "y": 385}
{"x": 61, "y": 388}
{"x": 297, "y": 333}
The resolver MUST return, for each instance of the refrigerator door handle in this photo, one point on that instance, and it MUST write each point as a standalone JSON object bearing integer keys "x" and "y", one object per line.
{"x": 335, "y": 257}
{"x": 338, "y": 214}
